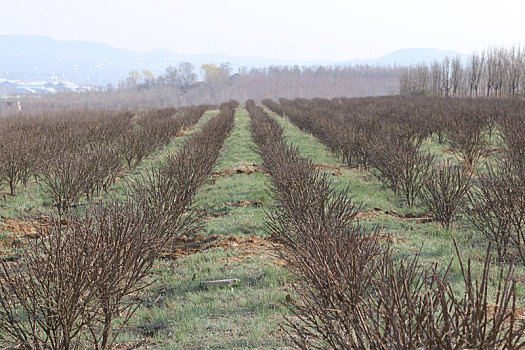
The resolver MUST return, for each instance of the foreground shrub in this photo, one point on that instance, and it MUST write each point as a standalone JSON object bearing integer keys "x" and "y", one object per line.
{"x": 414, "y": 307}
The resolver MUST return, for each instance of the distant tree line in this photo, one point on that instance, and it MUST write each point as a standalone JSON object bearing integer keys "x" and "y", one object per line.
{"x": 181, "y": 77}
{"x": 179, "y": 86}
{"x": 218, "y": 79}
{"x": 494, "y": 72}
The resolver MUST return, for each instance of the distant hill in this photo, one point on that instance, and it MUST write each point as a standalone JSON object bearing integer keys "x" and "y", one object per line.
{"x": 406, "y": 57}
{"x": 91, "y": 63}
{"x": 28, "y": 58}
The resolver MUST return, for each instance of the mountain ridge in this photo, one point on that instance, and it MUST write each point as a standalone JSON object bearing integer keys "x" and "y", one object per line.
{"x": 38, "y": 57}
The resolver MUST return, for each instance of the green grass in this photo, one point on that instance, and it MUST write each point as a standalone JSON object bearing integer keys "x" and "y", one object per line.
{"x": 234, "y": 220}
{"x": 28, "y": 201}
{"x": 239, "y": 147}
{"x": 441, "y": 152}
{"x": 245, "y": 316}
{"x": 238, "y": 150}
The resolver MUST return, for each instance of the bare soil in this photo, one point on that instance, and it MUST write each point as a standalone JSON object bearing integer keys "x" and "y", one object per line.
{"x": 376, "y": 213}
{"x": 249, "y": 246}
{"x": 15, "y": 230}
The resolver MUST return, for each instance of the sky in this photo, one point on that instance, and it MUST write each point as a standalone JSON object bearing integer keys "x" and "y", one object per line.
{"x": 285, "y": 29}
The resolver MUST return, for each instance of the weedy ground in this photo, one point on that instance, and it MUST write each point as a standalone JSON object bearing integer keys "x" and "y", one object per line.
{"x": 177, "y": 313}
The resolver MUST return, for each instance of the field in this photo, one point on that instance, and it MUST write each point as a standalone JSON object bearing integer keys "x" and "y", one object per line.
{"x": 233, "y": 235}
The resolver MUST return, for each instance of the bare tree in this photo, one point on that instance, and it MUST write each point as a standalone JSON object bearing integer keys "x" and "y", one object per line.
{"x": 445, "y": 76}
{"x": 171, "y": 76}
{"x": 436, "y": 79}
{"x": 514, "y": 69}
{"x": 474, "y": 71}
{"x": 186, "y": 75}
{"x": 456, "y": 76}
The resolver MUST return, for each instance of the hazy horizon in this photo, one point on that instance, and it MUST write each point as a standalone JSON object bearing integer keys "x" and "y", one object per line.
{"x": 292, "y": 30}
{"x": 223, "y": 53}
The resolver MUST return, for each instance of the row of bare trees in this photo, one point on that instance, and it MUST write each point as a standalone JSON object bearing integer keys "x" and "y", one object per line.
{"x": 350, "y": 126}
{"x": 72, "y": 283}
{"x": 391, "y": 147}
{"x": 83, "y": 152}
{"x": 354, "y": 293}
{"x": 386, "y": 136}
{"x": 494, "y": 72}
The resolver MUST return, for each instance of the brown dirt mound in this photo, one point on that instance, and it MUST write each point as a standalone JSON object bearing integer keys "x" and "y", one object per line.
{"x": 138, "y": 345}
{"x": 249, "y": 168}
{"x": 448, "y": 150}
{"x": 207, "y": 216}
{"x": 337, "y": 170}
{"x": 32, "y": 227}
{"x": 375, "y": 213}
{"x": 184, "y": 130}
{"x": 14, "y": 230}
{"x": 244, "y": 204}
{"x": 331, "y": 167}
{"x": 519, "y": 313}
{"x": 370, "y": 214}
{"x": 387, "y": 238}
{"x": 250, "y": 245}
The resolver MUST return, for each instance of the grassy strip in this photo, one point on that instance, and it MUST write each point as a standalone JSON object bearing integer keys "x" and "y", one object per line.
{"x": 182, "y": 315}
{"x": 179, "y": 314}
{"x": 217, "y": 198}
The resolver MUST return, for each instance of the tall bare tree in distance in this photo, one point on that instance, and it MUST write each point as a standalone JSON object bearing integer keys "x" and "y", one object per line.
{"x": 186, "y": 75}
{"x": 494, "y": 72}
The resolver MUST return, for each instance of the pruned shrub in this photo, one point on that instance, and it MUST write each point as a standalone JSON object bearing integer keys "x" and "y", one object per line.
{"x": 413, "y": 307}
{"x": 66, "y": 178}
{"x": 400, "y": 163}
{"x": 444, "y": 190}
{"x": 467, "y": 135}
{"x": 273, "y": 106}
{"x": 497, "y": 209}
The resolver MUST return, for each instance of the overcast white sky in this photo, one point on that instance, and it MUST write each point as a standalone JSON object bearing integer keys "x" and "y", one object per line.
{"x": 291, "y": 29}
